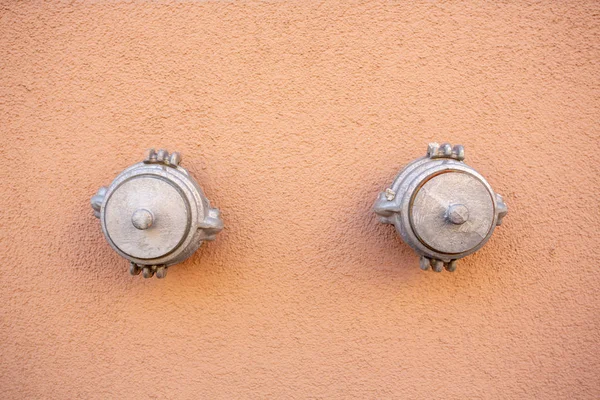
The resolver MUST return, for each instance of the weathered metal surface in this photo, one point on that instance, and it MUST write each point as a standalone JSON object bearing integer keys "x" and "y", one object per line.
{"x": 441, "y": 207}
{"x": 155, "y": 215}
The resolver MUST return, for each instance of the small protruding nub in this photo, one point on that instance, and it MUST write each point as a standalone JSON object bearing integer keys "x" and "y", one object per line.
{"x": 150, "y": 156}
{"x": 459, "y": 152}
{"x": 446, "y": 150}
{"x": 161, "y": 272}
{"x": 437, "y": 265}
{"x": 148, "y": 272}
{"x": 162, "y": 155}
{"x": 97, "y": 200}
{"x": 458, "y": 214}
{"x": 502, "y": 208}
{"x": 134, "y": 269}
{"x": 142, "y": 219}
{"x": 175, "y": 159}
{"x": 451, "y": 266}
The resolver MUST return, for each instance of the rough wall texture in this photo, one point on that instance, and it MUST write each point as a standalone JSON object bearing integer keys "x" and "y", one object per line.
{"x": 293, "y": 116}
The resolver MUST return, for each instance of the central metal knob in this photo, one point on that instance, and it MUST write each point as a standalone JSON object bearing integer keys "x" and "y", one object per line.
{"x": 458, "y": 214}
{"x": 142, "y": 219}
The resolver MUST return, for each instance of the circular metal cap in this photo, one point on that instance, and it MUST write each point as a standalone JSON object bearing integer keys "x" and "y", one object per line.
{"x": 147, "y": 216}
{"x": 155, "y": 214}
{"x": 452, "y": 212}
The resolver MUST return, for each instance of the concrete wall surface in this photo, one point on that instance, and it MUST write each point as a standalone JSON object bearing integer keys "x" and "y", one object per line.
{"x": 293, "y": 116}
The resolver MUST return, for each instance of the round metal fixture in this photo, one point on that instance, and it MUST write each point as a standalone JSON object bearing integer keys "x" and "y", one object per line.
{"x": 441, "y": 207}
{"x": 155, "y": 215}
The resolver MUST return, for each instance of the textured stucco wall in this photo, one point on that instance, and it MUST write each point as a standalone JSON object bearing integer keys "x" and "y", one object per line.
{"x": 293, "y": 116}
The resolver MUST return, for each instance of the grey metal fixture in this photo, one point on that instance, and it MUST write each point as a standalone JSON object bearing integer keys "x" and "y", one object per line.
{"x": 155, "y": 215}
{"x": 441, "y": 207}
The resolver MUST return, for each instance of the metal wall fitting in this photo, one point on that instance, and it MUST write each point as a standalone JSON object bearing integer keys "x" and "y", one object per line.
{"x": 155, "y": 215}
{"x": 441, "y": 207}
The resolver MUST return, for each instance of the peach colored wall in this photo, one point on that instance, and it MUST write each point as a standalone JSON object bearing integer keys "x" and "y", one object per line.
{"x": 293, "y": 116}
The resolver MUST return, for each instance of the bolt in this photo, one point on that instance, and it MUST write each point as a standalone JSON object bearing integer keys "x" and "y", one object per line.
{"x": 142, "y": 219}
{"x": 458, "y": 214}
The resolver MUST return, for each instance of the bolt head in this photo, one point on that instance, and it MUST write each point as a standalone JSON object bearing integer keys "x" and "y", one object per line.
{"x": 458, "y": 214}
{"x": 142, "y": 219}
